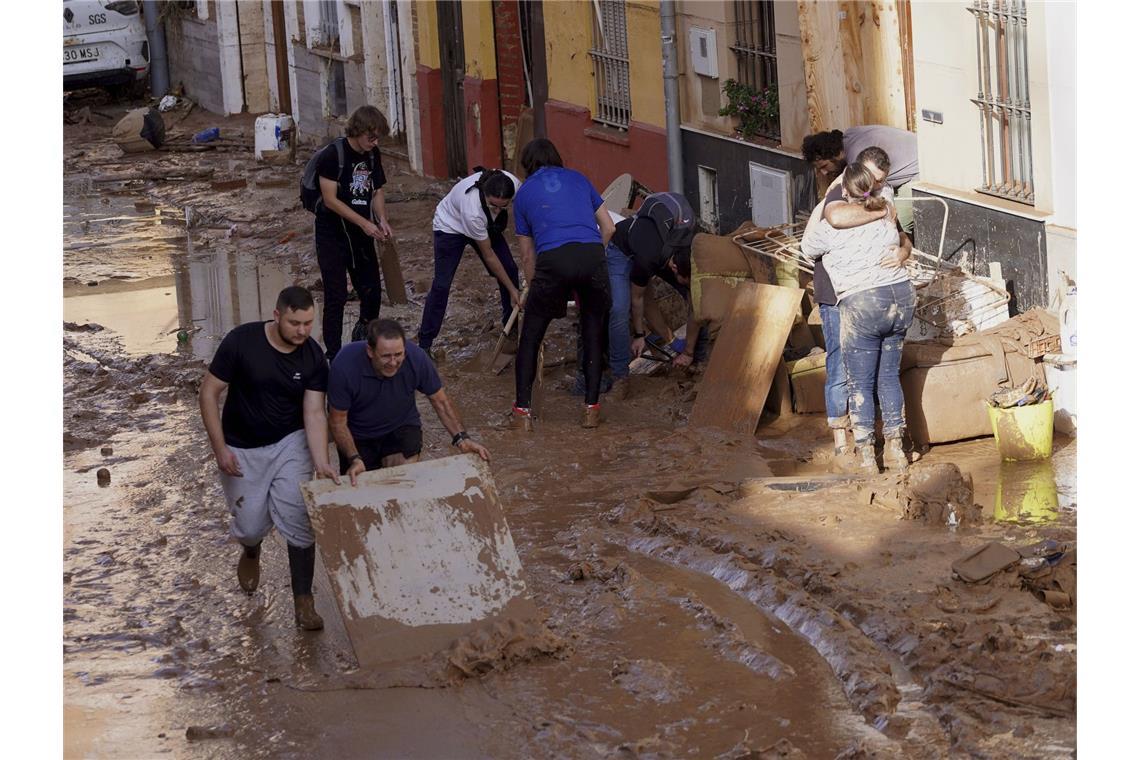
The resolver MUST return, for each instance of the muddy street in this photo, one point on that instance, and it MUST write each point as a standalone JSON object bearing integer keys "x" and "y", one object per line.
{"x": 705, "y": 595}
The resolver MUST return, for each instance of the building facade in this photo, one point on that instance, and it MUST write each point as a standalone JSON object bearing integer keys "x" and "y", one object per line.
{"x": 988, "y": 86}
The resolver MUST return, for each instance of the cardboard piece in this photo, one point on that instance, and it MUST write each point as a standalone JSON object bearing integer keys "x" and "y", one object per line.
{"x": 417, "y": 556}
{"x": 745, "y": 357}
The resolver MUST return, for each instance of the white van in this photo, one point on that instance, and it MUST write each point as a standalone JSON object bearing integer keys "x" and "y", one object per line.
{"x": 104, "y": 43}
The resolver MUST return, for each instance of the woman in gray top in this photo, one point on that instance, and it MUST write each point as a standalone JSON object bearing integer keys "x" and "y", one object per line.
{"x": 876, "y": 306}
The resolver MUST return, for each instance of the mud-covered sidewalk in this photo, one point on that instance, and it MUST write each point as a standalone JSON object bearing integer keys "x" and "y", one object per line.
{"x": 705, "y": 595}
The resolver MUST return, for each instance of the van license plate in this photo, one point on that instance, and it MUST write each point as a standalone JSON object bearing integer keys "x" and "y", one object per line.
{"x": 79, "y": 54}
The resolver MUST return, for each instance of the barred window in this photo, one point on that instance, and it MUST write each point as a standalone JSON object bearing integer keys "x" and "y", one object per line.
{"x": 755, "y": 49}
{"x": 610, "y": 54}
{"x": 1004, "y": 113}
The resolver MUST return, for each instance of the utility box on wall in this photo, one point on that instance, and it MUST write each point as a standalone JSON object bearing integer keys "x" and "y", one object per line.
{"x": 771, "y": 195}
{"x": 702, "y": 51}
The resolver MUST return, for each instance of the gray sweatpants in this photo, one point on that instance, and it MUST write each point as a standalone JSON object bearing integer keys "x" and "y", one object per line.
{"x": 269, "y": 492}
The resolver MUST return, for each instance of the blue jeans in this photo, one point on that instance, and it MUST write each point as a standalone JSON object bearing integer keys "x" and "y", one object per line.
{"x": 835, "y": 389}
{"x": 873, "y": 324}
{"x": 449, "y": 249}
{"x": 619, "y": 266}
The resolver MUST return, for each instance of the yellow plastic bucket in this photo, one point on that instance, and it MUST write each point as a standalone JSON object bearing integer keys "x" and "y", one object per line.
{"x": 1023, "y": 432}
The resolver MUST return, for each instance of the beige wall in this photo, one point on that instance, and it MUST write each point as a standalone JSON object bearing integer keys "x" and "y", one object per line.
{"x": 702, "y": 97}
{"x": 946, "y": 77}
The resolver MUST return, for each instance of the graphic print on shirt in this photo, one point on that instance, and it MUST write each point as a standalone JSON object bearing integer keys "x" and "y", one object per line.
{"x": 361, "y": 187}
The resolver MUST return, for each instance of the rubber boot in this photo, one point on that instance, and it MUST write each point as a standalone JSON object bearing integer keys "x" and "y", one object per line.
{"x": 305, "y": 613}
{"x": 592, "y": 415}
{"x": 521, "y": 419}
{"x": 249, "y": 568}
{"x": 867, "y": 461}
{"x": 894, "y": 458}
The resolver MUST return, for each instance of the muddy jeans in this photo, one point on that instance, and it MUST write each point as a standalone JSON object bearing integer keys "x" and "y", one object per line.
{"x": 872, "y": 326}
{"x": 835, "y": 388}
{"x": 449, "y": 248}
{"x": 268, "y": 494}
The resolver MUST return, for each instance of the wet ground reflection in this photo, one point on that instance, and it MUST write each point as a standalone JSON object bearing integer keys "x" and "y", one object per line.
{"x": 201, "y": 292}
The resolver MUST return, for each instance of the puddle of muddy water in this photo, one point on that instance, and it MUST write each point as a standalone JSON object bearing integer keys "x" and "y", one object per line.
{"x": 1033, "y": 492}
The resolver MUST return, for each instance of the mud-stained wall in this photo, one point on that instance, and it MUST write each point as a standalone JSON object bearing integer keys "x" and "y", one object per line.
{"x": 730, "y": 158}
{"x": 195, "y": 59}
{"x": 255, "y": 70}
{"x": 312, "y": 123}
{"x": 976, "y": 236}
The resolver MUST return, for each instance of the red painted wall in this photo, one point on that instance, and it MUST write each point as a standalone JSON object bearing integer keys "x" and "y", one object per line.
{"x": 602, "y": 153}
{"x": 430, "y": 83}
{"x": 482, "y": 128}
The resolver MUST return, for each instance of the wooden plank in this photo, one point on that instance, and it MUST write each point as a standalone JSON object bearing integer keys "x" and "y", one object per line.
{"x": 745, "y": 357}
{"x": 823, "y": 58}
{"x": 393, "y": 275}
{"x": 417, "y": 556}
{"x": 884, "y": 77}
{"x": 853, "y": 63}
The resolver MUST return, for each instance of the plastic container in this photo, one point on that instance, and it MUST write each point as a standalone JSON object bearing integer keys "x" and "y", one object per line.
{"x": 1061, "y": 377}
{"x": 1068, "y": 319}
{"x": 1023, "y": 433}
{"x": 273, "y": 132}
{"x": 208, "y": 135}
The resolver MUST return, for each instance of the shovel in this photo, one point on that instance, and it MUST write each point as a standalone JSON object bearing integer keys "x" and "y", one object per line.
{"x": 506, "y": 330}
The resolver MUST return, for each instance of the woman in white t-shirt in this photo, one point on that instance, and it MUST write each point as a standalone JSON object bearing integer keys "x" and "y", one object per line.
{"x": 473, "y": 214}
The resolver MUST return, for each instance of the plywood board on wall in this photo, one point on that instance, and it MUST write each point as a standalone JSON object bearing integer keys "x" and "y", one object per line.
{"x": 853, "y": 63}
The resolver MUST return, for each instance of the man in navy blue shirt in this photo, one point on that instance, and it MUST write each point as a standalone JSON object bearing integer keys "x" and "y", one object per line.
{"x": 372, "y": 402}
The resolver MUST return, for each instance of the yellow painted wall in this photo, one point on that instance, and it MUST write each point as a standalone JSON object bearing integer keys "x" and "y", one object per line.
{"x": 427, "y": 33}
{"x": 646, "y": 76}
{"x": 569, "y": 35}
{"x": 479, "y": 39}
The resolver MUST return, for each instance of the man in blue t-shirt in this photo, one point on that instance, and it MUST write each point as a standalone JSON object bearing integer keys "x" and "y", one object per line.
{"x": 372, "y": 402}
{"x": 562, "y": 229}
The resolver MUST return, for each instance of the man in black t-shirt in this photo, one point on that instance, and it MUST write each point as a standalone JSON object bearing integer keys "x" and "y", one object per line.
{"x": 350, "y": 217}
{"x": 271, "y": 435}
{"x": 654, "y": 242}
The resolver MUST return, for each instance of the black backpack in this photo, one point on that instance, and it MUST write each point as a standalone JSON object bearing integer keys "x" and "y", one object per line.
{"x": 498, "y": 222}
{"x": 673, "y": 217}
{"x": 311, "y": 184}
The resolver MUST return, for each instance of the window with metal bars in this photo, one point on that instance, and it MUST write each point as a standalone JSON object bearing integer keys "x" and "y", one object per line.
{"x": 610, "y": 54}
{"x": 1004, "y": 114}
{"x": 755, "y": 48}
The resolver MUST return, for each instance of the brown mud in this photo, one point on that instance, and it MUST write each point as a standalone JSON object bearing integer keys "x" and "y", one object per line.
{"x": 705, "y": 594}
